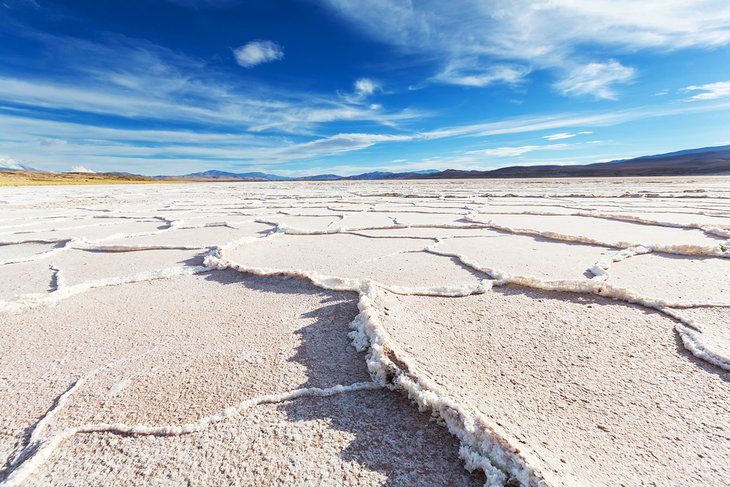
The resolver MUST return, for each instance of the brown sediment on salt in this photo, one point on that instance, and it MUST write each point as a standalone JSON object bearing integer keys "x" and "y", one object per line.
{"x": 458, "y": 292}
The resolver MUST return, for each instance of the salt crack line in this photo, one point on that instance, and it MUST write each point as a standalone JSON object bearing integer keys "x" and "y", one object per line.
{"x": 600, "y": 268}
{"x": 215, "y": 260}
{"x": 172, "y": 225}
{"x": 688, "y": 330}
{"x": 471, "y": 428}
{"x": 83, "y": 244}
{"x": 686, "y": 249}
{"x": 708, "y": 229}
{"x": 60, "y": 247}
{"x": 285, "y": 229}
{"x": 61, "y": 229}
{"x": 486, "y": 443}
{"x": 36, "y": 241}
{"x": 35, "y": 441}
{"x": 26, "y": 469}
{"x": 717, "y": 231}
{"x": 28, "y": 301}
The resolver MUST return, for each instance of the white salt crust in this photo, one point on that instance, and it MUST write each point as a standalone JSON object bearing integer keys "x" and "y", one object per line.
{"x": 484, "y": 446}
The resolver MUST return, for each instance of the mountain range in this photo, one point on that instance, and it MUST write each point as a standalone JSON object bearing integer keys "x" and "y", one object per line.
{"x": 692, "y": 162}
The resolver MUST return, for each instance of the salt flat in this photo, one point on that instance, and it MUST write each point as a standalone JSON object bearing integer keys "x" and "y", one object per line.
{"x": 498, "y": 332}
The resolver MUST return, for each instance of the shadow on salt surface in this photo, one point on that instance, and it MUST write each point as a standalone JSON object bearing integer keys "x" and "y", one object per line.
{"x": 386, "y": 434}
{"x": 371, "y": 437}
{"x": 324, "y": 350}
{"x": 362, "y": 438}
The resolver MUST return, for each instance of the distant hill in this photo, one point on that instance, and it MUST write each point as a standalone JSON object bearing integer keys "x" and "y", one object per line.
{"x": 691, "y": 162}
{"x": 703, "y": 161}
{"x": 694, "y": 162}
{"x": 214, "y": 175}
{"x": 392, "y": 175}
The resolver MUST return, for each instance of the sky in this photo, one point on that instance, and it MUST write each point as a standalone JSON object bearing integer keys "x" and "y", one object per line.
{"x": 349, "y": 86}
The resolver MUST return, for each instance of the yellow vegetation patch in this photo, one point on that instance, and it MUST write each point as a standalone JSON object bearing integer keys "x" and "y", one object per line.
{"x": 30, "y": 178}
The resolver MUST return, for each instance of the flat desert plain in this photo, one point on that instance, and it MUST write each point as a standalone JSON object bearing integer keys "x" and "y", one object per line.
{"x": 498, "y": 332}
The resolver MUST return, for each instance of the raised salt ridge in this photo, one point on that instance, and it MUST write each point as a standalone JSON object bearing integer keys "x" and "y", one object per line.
{"x": 307, "y": 332}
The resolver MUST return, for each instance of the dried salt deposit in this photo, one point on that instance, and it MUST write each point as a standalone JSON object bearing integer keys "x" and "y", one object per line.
{"x": 531, "y": 332}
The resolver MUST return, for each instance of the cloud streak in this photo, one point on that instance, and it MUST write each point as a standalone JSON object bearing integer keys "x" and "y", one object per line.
{"x": 710, "y": 91}
{"x": 518, "y": 151}
{"x": 564, "y": 135}
{"x": 180, "y": 151}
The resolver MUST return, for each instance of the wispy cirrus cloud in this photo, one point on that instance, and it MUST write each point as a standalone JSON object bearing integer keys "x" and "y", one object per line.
{"x": 565, "y": 135}
{"x": 469, "y": 38}
{"x": 181, "y": 149}
{"x": 147, "y": 83}
{"x": 518, "y": 151}
{"x": 597, "y": 79}
{"x": 710, "y": 91}
{"x": 258, "y": 52}
{"x": 466, "y": 73}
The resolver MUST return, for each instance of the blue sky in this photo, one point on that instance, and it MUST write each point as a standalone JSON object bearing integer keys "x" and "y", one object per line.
{"x": 348, "y": 86}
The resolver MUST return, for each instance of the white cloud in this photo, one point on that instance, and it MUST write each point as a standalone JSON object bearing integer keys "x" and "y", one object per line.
{"x": 214, "y": 103}
{"x": 596, "y": 79}
{"x": 710, "y": 91}
{"x": 518, "y": 151}
{"x": 365, "y": 86}
{"x": 258, "y": 52}
{"x": 467, "y": 37}
{"x": 564, "y": 135}
{"x": 362, "y": 88}
{"x": 508, "y": 151}
{"x": 560, "y": 136}
{"x": 82, "y": 169}
{"x": 470, "y": 74}
{"x": 335, "y": 144}
{"x": 8, "y": 163}
{"x": 176, "y": 151}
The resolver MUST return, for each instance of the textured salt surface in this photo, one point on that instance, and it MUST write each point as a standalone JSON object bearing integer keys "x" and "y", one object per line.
{"x": 562, "y": 333}
{"x": 611, "y": 399}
